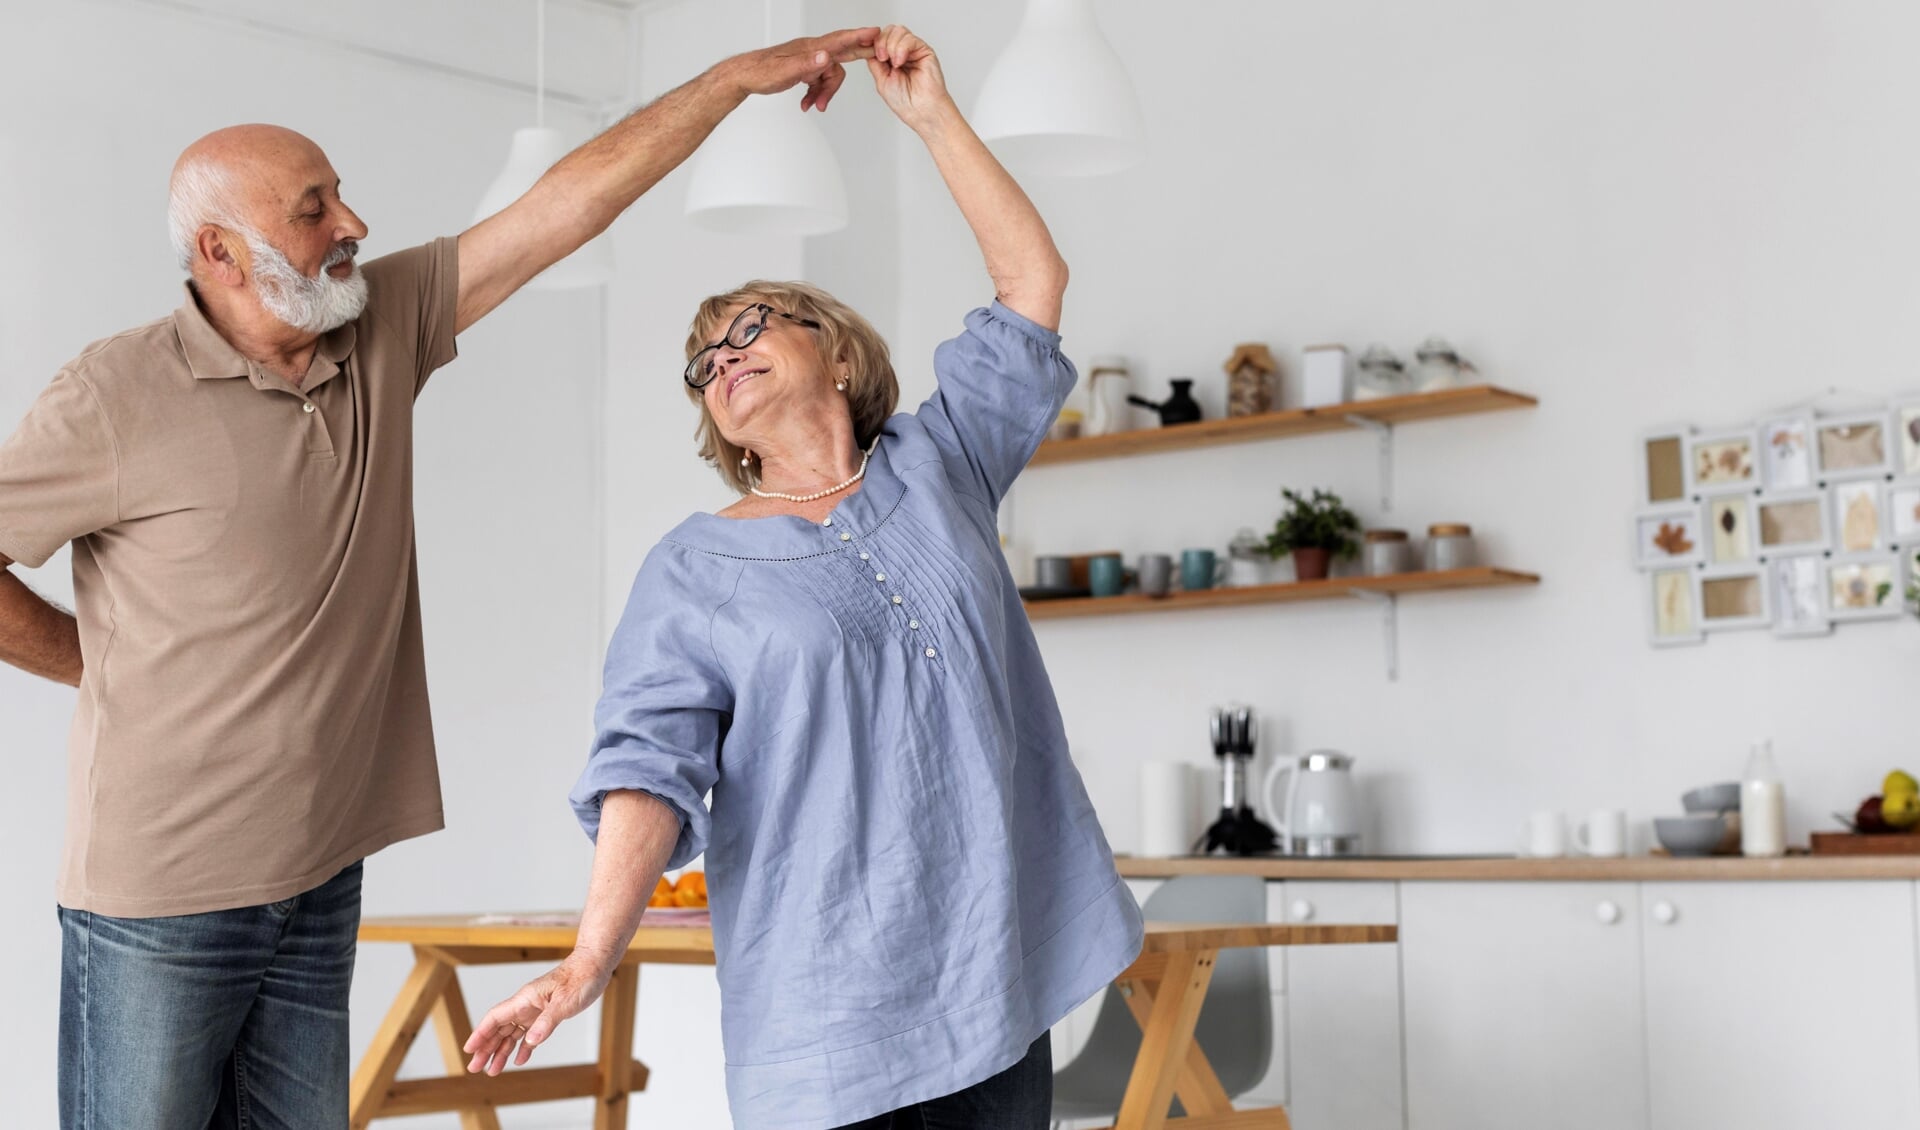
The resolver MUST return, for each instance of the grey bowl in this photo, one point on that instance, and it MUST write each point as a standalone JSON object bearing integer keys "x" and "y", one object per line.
{"x": 1697, "y": 834}
{"x": 1712, "y": 798}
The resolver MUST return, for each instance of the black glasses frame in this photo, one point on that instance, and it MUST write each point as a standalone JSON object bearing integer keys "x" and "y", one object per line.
{"x": 741, "y": 332}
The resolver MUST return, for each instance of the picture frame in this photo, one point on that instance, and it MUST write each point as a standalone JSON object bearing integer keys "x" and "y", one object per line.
{"x": 1792, "y": 522}
{"x": 1786, "y": 453}
{"x": 1668, "y": 536}
{"x": 1906, "y": 427}
{"x": 1865, "y": 587}
{"x": 1719, "y": 462}
{"x": 1663, "y": 466}
{"x": 1910, "y": 557}
{"x": 1733, "y": 598}
{"x": 1799, "y": 596}
{"x": 1859, "y": 522}
{"x": 1903, "y": 512}
{"x": 1729, "y": 530}
{"x": 1855, "y": 446}
{"x": 1671, "y": 605}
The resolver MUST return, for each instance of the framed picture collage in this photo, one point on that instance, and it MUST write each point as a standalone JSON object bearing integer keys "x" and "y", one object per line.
{"x": 1793, "y": 524}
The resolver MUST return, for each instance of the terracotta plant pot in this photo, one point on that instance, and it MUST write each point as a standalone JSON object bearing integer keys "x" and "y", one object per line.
{"x": 1311, "y": 564}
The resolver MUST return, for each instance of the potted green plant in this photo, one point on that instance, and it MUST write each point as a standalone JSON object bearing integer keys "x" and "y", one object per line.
{"x": 1315, "y": 528}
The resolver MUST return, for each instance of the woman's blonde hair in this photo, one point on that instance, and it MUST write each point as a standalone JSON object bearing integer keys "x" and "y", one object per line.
{"x": 844, "y": 338}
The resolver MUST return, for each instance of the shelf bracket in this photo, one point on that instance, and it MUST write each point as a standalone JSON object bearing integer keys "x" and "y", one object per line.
{"x": 1383, "y": 432}
{"x": 1390, "y": 607}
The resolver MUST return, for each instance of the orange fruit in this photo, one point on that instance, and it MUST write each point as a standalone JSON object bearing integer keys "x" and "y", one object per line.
{"x": 691, "y": 890}
{"x": 662, "y": 894}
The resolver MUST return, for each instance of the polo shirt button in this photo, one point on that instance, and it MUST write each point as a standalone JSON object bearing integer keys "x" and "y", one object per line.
{"x": 846, "y": 537}
{"x": 896, "y": 599}
{"x": 914, "y": 624}
{"x": 864, "y": 556}
{"x": 828, "y": 521}
{"x": 307, "y": 407}
{"x": 931, "y": 653}
{"x": 880, "y": 576}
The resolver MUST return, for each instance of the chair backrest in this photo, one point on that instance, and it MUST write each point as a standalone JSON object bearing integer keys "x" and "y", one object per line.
{"x": 1236, "y": 1025}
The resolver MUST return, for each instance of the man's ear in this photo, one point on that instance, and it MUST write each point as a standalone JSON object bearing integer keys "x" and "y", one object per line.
{"x": 216, "y": 249}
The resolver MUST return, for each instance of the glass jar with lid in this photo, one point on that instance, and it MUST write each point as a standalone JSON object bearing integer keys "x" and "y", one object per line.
{"x": 1386, "y": 552}
{"x": 1450, "y": 546}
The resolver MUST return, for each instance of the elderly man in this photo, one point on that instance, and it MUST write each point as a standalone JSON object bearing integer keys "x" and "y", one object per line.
{"x": 252, "y": 718}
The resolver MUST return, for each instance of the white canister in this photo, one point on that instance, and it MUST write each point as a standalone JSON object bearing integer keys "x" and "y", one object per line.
{"x": 1166, "y": 808}
{"x": 1386, "y": 552}
{"x": 1450, "y": 546}
{"x": 1108, "y": 386}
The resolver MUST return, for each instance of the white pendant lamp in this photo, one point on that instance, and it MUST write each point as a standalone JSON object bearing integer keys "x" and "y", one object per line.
{"x": 767, "y": 170}
{"x": 534, "y": 151}
{"x": 1058, "y": 101}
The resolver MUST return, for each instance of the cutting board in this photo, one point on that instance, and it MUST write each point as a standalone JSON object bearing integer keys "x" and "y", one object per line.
{"x": 1853, "y": 843}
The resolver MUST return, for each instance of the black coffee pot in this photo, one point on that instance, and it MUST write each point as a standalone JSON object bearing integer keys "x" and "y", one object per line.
{"x": 1179, "y": 408}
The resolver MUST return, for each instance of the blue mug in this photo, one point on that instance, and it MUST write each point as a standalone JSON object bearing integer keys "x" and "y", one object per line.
{"x": 1199, "y": 569}
{"x": 1106, "y": 576}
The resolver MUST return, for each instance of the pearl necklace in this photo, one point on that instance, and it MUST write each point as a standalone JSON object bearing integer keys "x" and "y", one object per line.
{"x": 820, "y": 494}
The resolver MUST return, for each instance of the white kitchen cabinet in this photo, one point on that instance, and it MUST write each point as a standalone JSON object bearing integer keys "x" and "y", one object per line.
{"x": 1781, "y": 1005}
{"x": 1523, "y": 1007}
{"x": 1342, "y": 1028}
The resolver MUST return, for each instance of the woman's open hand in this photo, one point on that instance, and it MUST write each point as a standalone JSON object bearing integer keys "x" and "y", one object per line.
{"x": 525, "y": 1019}
{"x": 907, "y": 74}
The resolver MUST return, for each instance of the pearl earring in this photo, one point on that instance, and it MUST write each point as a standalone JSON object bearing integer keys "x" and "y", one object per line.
{"x": 746, "y": 459}
{"x": 841, "y": 385}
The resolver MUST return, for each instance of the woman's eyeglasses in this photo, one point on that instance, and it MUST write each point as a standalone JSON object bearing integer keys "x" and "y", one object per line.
{"x": 741, "y": 332}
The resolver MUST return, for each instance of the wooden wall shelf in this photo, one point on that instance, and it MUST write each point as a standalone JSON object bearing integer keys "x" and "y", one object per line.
{"x": 1334, "y": 588}
{"x": 1355, "y": 415}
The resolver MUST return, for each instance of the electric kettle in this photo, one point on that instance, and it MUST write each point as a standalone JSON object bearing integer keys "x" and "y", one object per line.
{"x": 1318, "y": 813}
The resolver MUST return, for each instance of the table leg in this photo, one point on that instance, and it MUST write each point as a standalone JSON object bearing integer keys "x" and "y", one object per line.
{"x": 1165, "y": 1039}
{"x": 616, "y": 1047}
{"x": 1198, "y": 1087}
{"x": 377, "y": 1069}
{"x": 452, "y": 1024}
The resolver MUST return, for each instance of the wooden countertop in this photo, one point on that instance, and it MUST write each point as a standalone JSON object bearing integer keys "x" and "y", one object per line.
{"x": 1643, "y": 868}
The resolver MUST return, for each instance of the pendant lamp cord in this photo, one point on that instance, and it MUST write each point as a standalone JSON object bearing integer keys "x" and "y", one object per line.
{"x": 540, "y": 63}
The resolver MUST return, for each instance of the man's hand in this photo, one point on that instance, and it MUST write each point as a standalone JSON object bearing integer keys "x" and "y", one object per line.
{"x": 814, "y": 60}
{"x": 907, "y": 74}
{"x": 35, "y": 636}
{"x": 529, "y": 1016}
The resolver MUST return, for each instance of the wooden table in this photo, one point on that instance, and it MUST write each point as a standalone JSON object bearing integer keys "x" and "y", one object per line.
{"x": 1164, "y": 989}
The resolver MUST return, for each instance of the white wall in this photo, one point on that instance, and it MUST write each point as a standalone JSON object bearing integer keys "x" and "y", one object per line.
{"x": 102, "y": 97}
{"x": 1638, "y": 211}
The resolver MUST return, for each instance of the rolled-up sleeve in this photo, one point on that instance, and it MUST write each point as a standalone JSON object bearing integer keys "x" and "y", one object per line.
{"x": 1001, "y": 385}
{"x": 664, "y": 706}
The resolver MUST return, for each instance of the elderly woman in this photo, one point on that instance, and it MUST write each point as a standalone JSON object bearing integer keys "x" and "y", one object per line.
{"x": 909, "y": 885}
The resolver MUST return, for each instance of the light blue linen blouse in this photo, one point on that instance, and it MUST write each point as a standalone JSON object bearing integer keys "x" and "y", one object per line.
{"x": 909, "y": 883}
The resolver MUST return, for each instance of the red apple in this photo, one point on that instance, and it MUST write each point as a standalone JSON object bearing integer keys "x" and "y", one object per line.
{"x": 1868, "y": 818}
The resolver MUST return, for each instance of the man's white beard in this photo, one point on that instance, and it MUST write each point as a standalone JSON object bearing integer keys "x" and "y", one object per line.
{"x": 316, "y": 305}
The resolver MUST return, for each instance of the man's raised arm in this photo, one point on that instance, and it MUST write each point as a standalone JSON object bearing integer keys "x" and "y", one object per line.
{"x": 589, "y": 187}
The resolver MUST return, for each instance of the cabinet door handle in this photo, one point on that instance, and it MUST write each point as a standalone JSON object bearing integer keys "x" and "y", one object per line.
{"x": 1665, "y": 913}
{"x": 1301, "y": 910}
{"x": 1608, "y": 912}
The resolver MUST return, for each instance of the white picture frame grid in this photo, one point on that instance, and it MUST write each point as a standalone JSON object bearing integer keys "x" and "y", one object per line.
{"x": 1797, "y": 594}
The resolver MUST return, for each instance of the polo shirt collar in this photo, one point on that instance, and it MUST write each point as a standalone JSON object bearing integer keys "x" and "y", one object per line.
{"x": 212, "y": 357}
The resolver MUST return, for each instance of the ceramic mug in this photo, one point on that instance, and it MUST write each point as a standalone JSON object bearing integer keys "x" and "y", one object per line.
{"x": 1603, "y": 833}
{"x": 1106, "y": 576}
{"x": 1199, "y": 569}
{"x": 1053, "y": 572}
{"x": 1546, "y": 835}
{"x": 1156, "y": 573}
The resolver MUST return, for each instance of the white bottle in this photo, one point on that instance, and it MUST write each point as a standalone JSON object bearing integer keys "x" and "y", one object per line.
{"x": 1108, "y": 384}
{"x": 1763, "y": 806}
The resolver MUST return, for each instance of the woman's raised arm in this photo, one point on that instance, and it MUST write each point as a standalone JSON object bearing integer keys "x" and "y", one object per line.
{"x": 1029, "y": 276}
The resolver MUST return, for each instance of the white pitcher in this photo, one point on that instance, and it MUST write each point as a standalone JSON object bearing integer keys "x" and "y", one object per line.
{"x": 1319, "y": 812}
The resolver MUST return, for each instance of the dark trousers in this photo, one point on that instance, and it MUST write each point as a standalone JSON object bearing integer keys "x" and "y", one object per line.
{"x": 1019, "y": 1098}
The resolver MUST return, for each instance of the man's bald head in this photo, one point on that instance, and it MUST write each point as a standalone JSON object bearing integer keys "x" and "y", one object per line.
{"x": 238, "y": 176}
{"x": 255, "y": 210}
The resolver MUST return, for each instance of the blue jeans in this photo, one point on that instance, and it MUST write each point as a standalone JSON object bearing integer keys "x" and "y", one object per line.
{"x": 235, "y": 1019}
{"x": 1019, "y": 1098}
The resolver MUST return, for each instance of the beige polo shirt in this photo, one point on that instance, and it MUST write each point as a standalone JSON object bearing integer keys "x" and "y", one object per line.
{"x": 253, "y": 716}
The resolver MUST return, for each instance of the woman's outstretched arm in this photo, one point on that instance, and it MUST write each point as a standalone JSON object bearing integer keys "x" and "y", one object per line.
{"x": 1029, "y": 276}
